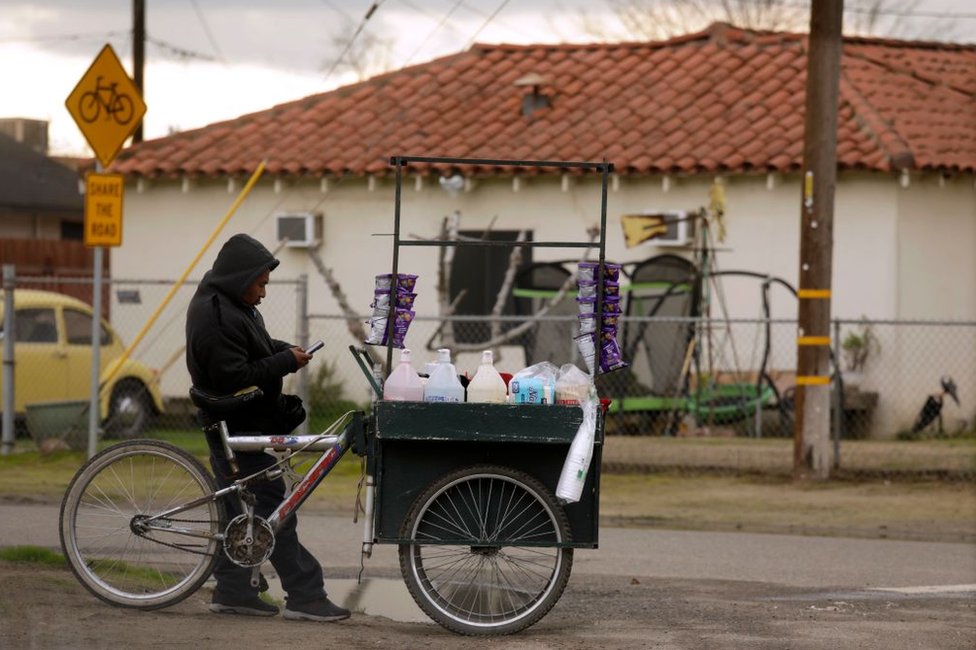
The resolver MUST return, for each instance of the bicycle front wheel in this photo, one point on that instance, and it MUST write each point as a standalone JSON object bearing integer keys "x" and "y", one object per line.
{"x": 115, "y": 543}
{"x": 484, "y": 556}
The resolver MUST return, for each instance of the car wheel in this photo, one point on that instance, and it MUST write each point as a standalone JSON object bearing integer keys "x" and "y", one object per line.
{"x": 129, "y": 411}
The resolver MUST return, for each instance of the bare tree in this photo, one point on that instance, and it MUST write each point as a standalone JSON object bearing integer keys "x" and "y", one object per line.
{"x": 361, "y": 52}
{"x": 659, "y": 19}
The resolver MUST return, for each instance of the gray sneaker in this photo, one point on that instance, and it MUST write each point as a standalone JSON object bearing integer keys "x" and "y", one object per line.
{"x": 317, "y": 610}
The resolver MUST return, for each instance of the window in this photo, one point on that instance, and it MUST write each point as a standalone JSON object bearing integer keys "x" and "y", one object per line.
{"x": 480, "y": 270}
{"x": 36, "y": 326}
{"x": 78, "y": 324}
{"x": 72, "y": 230}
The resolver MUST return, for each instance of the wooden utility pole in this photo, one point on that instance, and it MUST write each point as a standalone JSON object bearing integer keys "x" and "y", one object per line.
{"x": 811, "y": 442}
{"x": 138, "y": 54}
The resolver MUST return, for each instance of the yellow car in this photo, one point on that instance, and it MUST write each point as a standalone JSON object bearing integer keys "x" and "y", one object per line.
{"x": 53, "y": 357}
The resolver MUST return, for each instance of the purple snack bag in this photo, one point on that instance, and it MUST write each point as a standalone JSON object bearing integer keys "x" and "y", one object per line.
{"x": 611, "y": 305}
{"x": 405, "y": 299}
{"x": 610, "y": 357}
{"x": 406, "y": 281}
{"x": 588, "y": 272}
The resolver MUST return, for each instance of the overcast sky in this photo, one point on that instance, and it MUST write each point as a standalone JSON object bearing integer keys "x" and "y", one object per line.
{"x": 209, "y": 60}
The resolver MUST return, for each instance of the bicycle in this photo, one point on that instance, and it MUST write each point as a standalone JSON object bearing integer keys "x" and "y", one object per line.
{"x": 118, "y": 106}
{"x": 484, "y": 549}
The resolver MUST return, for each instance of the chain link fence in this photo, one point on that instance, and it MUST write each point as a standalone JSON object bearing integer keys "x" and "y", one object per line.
{"x": 729, "y": 378}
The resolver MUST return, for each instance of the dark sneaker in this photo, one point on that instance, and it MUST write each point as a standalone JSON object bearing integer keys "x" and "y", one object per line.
{"x": 316, "y": 610}
{"x": 245, "y": 605}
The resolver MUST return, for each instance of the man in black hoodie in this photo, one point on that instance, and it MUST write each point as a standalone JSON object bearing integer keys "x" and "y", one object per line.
{"x": 228, "y": 349}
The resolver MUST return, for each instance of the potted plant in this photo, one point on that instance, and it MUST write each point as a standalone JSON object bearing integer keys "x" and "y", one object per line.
{"x": 857, "y": 347}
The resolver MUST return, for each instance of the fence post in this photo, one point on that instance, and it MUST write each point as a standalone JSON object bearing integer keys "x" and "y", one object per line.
{"x": 838, "y": 394}
{"x": 9, "y": 433}
{"x": 301, "y": 340}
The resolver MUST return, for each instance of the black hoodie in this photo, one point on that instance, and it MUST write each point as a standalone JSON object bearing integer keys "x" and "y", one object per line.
{"x": 227, "y": 345}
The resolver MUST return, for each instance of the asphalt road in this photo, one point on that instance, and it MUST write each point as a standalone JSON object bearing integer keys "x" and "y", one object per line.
{"x": 680, "y": 589}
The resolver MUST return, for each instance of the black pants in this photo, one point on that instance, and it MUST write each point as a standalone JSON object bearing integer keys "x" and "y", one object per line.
{"x": 299, "y": 571}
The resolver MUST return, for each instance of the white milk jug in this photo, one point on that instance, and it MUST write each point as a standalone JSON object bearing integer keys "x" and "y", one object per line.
{"x": 404, "y": 384}
{"x": 443, "y": 384}
{"x": 487, "y": 384}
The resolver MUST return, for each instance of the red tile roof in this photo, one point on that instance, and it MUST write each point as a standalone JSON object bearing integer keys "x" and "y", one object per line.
{"x": 722, "y": 100}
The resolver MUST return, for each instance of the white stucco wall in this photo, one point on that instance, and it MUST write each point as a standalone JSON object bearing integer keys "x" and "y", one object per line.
{"x": 884, "y": 241}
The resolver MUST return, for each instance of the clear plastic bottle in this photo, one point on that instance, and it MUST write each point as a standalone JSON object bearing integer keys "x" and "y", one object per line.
{"x": 443, "y": 384}
{"x": 487, "y": 384}
{"x": 404, "y": 384}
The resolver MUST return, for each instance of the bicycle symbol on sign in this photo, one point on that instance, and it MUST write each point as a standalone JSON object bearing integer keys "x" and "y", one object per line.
{"x": 118, "y": 106}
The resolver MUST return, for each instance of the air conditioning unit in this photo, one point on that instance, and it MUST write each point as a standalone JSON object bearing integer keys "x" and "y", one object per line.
{"x": 680, "y": 228}
{"x": 302, "y": 230}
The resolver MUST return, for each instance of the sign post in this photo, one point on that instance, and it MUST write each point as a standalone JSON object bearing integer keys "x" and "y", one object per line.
{"x": 107, "y": 107}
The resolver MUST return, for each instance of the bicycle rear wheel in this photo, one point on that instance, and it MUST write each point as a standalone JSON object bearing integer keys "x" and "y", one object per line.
{"x": 484, "y": 559}
{"x": 111, "y": 543}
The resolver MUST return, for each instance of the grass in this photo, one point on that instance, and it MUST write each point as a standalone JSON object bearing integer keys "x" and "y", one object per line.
{"x": 33, "y": 555}
{"x": 905, "y": 509}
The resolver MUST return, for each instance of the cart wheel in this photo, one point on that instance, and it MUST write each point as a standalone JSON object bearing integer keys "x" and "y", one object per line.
{"x": 484, "y": 560}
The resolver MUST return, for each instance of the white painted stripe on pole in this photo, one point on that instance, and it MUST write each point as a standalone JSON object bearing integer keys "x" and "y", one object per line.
{"x": 936, "y": 589}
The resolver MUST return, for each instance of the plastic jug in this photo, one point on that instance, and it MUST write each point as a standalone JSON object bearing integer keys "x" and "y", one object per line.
{"x": 487, "y": 385}
{"x": 404, "y": 384}
{"x": 443, "y": 384}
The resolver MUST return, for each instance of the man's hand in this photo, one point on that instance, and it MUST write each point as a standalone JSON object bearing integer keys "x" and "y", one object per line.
{"x": 301, "y": 356}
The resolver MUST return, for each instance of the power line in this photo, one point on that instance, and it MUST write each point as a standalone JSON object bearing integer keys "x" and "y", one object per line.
{"x": 432, "y": 32}
{"x": 430, "y": 14}
{"x": 485, "y": 24}
{"x": 369, "y": 14}
{"x": 337, "y": 9}
{"x": 177, "y": 51}
{"x": 910, "y": 14}
{"x": 63, "y": 37}
{"x": 901, "y": 13}
{"x": 207, "y": 32}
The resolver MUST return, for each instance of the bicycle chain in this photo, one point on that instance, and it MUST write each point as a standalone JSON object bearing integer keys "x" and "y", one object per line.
{"x": 178, "y": 546}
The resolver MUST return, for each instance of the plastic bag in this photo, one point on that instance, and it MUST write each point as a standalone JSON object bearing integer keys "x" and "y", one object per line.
{"x": 572, "y": 385}
{"x": 535, "y": 384}
{"x": 577, "y": 464}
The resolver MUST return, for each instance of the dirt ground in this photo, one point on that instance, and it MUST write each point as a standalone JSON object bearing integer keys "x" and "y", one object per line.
{"x": 46, "y": 608}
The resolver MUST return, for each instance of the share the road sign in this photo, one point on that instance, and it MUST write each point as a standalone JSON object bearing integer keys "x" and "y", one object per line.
{"x": 106, "y": 105}
{"x": 103, "y": 209}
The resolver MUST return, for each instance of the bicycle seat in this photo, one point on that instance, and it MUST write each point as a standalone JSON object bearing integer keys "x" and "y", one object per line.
{"x": 223, "y": 404}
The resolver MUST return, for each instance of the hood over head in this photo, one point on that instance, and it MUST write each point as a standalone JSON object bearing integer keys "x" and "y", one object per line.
{"x": 239, "y": 263}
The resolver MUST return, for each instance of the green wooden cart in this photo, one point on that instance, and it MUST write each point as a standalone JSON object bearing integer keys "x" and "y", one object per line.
{"x": 467, "y": 491}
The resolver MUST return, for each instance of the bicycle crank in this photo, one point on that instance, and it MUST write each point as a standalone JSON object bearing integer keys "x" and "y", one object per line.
{"x": 248, "y": 545}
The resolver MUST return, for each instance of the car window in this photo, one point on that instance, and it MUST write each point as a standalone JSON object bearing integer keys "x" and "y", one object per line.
{"x": 36, "y": 325}
{"x": 77, "y": 326}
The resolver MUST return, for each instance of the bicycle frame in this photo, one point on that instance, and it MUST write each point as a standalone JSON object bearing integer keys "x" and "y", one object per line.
{"x": 332, "y": 446}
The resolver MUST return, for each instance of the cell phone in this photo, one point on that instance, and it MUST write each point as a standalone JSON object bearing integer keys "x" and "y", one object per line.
{"x": 315, "y": 347}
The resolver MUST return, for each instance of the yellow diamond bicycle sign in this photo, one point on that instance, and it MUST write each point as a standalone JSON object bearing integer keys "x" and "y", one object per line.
{"x": 106, "y": 105}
